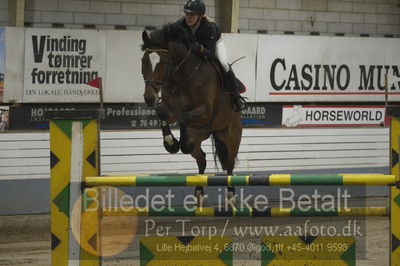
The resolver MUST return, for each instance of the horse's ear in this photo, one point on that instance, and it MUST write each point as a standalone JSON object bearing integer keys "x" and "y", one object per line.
{"x": 145, "y": 37}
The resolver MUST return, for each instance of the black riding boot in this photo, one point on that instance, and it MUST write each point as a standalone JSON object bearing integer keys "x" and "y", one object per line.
{"x": 239, "y": 103}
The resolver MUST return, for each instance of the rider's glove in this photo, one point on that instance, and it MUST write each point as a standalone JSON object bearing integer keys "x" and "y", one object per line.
{"x": 197, "y": 47}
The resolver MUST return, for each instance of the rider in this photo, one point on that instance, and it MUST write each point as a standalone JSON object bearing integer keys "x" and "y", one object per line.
{"x": 207, "y": 42}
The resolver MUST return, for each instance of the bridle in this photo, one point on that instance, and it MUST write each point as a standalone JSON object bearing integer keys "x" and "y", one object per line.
{"x": 162, "y": 83}
{"x": 171, "y": 69}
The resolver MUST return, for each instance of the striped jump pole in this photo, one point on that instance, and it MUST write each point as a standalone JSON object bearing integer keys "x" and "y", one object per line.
{"x": 244, "y": 212}
{"x": 242, "y": 180}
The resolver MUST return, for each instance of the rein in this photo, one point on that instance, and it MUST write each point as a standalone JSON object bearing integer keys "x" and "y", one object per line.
{"x": 176, "y": 69}
{"x": 172, "y": 70}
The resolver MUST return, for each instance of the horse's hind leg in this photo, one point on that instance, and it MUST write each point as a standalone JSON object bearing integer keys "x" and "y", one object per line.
{"x": 231, "y": 190}
{"x": 201, "y": 161}
{"x": 200, "y": 157}
{"x": 186, "y": 144}
{"x": 227, "y": 142}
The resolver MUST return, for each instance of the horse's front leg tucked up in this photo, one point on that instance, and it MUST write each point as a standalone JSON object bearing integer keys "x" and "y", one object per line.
{"x": 171, "y": 144}
{"x": 186, "y": 141}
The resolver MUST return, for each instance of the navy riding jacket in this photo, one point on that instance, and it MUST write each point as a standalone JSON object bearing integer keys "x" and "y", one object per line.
{"x": 207, "y": 34}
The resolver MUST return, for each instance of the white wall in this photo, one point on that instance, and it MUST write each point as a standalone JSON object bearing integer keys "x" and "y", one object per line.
{"x": 350, "y": 17}
{"x": 326, "y": 17}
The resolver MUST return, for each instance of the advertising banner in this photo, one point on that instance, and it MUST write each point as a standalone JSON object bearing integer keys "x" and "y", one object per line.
{"x": 242, "y": 52}
{"x": 58, "y": 63}
{"x": 332, "y": 115}
{"x": 132, "y": 116}
{"x": 326, "y": 69}
{"x": 256, "y": 115}
{"x": 262, "y": 115}
{"x": 118, "y": 116}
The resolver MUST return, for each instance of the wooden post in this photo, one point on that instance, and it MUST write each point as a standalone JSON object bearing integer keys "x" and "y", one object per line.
{"x": 394, "y": 190}
{"x": 16, "y": 13}
{"x": 230, "y": 16}
{"x": 74, "y": 154}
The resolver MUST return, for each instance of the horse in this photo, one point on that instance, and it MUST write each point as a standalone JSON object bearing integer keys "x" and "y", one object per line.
{"x": 192, "y": 94}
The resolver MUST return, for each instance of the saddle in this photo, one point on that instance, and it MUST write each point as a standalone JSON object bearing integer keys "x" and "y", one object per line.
{"x": 221, "y": 72}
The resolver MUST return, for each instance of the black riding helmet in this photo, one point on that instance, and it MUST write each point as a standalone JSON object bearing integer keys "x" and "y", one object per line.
{"x": 195, "y": 7}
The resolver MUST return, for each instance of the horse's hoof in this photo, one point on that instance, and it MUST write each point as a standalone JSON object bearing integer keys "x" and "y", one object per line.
{"x": 174, "y": 148}
{"x": 150, "y": 100}
{"x": 187, "y": 147}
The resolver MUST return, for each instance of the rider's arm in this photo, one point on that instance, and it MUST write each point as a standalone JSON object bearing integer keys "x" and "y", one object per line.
{"x": 210, "y": 34}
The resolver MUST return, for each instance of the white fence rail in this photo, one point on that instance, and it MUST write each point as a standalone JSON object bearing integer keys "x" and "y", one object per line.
{"x": 26, "y": 155}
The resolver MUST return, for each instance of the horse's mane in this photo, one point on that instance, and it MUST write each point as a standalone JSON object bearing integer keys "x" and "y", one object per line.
{"x": 170, "y": 32}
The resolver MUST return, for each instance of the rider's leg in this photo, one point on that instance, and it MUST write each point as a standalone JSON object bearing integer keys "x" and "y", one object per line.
{"x": 238, "y": 101}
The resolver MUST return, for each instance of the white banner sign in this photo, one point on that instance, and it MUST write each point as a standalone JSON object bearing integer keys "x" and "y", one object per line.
{"x": 329, "y": 69}
{"x": 58, "y": 63}
{"x": 320, "y": 115}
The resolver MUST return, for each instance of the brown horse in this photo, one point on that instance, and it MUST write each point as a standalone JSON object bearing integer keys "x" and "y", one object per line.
{"x": 192, "y": 95}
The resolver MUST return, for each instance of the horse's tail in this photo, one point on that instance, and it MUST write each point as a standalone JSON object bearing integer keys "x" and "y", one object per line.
{"x": 219, "y": 150}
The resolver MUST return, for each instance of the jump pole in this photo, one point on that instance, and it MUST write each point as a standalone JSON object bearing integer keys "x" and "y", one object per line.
{"x": 242, "y": 180}
{"x": 243, "y": 212}
{"x": 75, "y": 158}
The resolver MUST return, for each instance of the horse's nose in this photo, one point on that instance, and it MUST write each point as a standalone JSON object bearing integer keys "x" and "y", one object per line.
{"x": 149, "y": 100}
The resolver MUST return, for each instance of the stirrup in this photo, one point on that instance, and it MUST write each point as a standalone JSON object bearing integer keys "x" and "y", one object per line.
{"x": 239, "y": 104}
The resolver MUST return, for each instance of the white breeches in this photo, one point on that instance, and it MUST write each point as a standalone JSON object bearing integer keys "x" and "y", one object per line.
{"x": 220, "y": 52}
